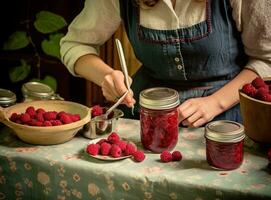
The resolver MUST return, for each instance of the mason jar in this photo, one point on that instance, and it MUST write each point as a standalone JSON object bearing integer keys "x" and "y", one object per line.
{"x": 38, "y": 91}
{"x": 7, "y": 98}
{"x": 224, "y": 144}
{"x": 159, "y": 118}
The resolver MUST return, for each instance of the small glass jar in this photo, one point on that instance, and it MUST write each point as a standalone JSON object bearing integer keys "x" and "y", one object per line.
{"x": 159, "y": 118}
{"x": 7, "y": 98}
{"x": 224, "y": 144}
{"x": 38, "y": 91}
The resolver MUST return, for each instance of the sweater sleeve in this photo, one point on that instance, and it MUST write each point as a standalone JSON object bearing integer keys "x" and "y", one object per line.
{"x": 253, "y": 19}
{"x": 92, "y": 27}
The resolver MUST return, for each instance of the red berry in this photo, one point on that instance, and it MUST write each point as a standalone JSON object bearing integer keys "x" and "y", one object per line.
{"x": 249, "y": 89}
{"x": 115, "y": 151}
{"x": 101, "y": 141}
{"x": 122, "y": 144}
{"x": 39, "y": 116}
{"x": 93, "y": 149}
{"x": 47, "y": 123}
{"x": 56, "y": 122}
{"x": 13, "y": 117}
{"x": 96, "y": 110}
{"x": 139, "y": 156}
{"x": 258, "y": 82}
{"x": 166, "y": 156}
{"x": 30, "y": 110}
{"x": 177, "y": 156}
{"x": 130, "y": 149}
{"x": 50, "y": 115}
{"x": 25, "y": 117}
{"x": 105, "y": 148}
{"x": 65, "y": 119}
{"x": 75, "y": 117}
{"x": 113, "y": 138}
{"x": 262, "y": 94}
{"x": 40, "y": 110}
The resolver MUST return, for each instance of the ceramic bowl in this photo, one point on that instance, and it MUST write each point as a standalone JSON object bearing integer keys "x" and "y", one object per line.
{"x": 256, "y": 116}
{"x": 46, "y": 135}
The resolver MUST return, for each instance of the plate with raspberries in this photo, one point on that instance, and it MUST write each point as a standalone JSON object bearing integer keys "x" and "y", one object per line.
{"x": 113, "y": 148}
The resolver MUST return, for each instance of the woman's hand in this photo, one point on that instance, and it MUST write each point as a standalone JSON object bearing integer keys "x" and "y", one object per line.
{"x": 196, "y": 112}
{"x": 113, "y": 87}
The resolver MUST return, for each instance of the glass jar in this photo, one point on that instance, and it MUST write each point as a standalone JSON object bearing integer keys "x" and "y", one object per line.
{"x": 7, "y": 98}
{"x": 159, "y": 118}
{"x": 38, "y": 91}
{"x": 224, "y": 144}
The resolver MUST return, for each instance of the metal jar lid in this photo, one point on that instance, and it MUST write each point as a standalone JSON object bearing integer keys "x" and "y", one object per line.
{"x": 36, "y": 89}
{"x": 224, "y": 131}
{"x": 159, "y": 98}
{"x": 7, "y": 97}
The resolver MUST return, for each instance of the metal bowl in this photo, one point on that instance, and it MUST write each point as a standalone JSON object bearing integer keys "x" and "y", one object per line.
{"x": 96, "y": 128}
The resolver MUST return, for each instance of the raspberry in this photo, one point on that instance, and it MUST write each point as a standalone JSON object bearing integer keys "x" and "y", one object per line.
{"x": 25, "y": 117}
{"x": 40, "y": 110}
{"x": 75, "y": 117}
{"x": 113, "y": 138}
{"x": 258, "y": 82}
{"x": 50, "y": 115}
{"x": 30, "y": 110}
{"x": 130, "y": 149}
{"x": 13, "y": 117}
{"x": 166, "y": 156}
{"x": 115, "y": 151}
{"x": 101, "y": 141}
{"x": 56, "y": 122}
{"x": 249, "y": 89}
{"x": 93, "y": 149}
{"x": 122, "y": 144}
{"x": 262, "y": 94}
{"x": 96, "y": 110}
{"x": 47, "y": 123}
{"x": 65, "y": 119}
{"x": 105, "y": 148}
{"x": 39, "y": 116}
{"x": 177, "y": 156}
{"x": 139, "y": 156}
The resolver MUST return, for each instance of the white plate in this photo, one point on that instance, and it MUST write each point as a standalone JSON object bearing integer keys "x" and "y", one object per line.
{"x": 101, "y": 157}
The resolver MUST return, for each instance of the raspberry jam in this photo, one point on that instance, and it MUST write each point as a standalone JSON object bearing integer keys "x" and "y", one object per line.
{"x": 224, "y": 144}
{"x": 159, "y": 119}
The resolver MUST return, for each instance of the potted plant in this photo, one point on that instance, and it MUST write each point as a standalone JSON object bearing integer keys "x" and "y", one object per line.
{"x": 48, "y": 26}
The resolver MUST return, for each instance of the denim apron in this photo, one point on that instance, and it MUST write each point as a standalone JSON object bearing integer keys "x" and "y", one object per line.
{"x": 196, "y": 61}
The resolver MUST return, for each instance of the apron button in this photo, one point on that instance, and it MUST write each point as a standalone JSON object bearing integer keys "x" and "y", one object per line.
{"x": 177, "y": 59}
{"x": 179, "y": 67}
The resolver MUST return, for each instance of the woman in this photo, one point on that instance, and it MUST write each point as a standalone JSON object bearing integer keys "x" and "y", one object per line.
{"x": 204, "y": 49}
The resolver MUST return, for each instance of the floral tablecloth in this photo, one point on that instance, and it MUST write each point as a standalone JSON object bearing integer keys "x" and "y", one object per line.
{"x": 65, "y": 171}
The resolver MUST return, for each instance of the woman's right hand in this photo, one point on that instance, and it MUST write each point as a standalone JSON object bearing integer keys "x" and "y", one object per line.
{"x": 113, "y": 87}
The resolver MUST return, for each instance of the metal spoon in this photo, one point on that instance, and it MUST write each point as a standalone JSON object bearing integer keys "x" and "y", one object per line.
{"x": 123, "y": 66}
{"x": 105, "y": 115}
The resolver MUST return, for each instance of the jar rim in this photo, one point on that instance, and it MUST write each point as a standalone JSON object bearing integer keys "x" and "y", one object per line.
{"x": 7, "y": 97}
{"x": 159, "y": 98}
{"x": 37, "y": 89}
{"x": 225, "y": 131}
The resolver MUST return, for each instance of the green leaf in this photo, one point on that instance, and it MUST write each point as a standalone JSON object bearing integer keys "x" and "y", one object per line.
{"x": 19, "y": 73}
{"x": 16, "y": 40}
{"x": 48, "y": 22}
{"x": 51, "y": 47}
{"x": 51, "y": 81}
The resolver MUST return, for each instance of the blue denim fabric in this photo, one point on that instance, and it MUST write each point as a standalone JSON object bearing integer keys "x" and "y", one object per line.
{"x": 196, "y": 61}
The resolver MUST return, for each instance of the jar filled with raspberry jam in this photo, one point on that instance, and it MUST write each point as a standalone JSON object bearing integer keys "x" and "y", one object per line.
{"x": 159, "y": 118}
{"x": 224, "y": 144}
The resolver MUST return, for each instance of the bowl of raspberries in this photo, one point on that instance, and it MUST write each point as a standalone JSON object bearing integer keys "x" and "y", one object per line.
{"x": 97, "y": 126}
{"x": 255, "y": 104}
{"x": 45, "y": 122}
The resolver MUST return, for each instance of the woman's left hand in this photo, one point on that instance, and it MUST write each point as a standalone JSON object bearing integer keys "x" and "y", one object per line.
{"x": 196, "y": 112}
